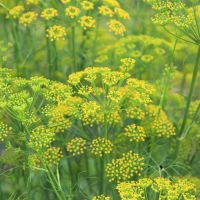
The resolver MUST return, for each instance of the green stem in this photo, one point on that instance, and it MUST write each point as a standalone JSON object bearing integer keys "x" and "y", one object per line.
{"x": 102, "y": 175}
{"x": 53, "y": 186}
{"x": 194, "y": 78}
{"x": 49, "y": 55}
{"x": 74, "y": 67}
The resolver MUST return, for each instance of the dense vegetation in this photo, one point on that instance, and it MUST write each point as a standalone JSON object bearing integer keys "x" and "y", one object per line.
{"x": 99, "y": 99}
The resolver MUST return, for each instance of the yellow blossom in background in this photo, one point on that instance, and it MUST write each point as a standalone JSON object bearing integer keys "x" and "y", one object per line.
{"x": 27, "y": 18}
{"x": 87, "y": 22}
{"x": 101, "y": 197}
{"x": 106, "y": 11}
{"x": 113, "y": 3}
{"x": 49, "y": 13}
{"x": 116, "y": 27}
{"x": 72, "y": 11}
{"x": 65, "y": 1}
{"x": 16, "y": 11}
{"x": 127, "y": 64}
{"x": 122, "y": 13}
{"x": 87, "y": 5}
{"x": 34, "y": 2}
{"x": 56, "y": 32}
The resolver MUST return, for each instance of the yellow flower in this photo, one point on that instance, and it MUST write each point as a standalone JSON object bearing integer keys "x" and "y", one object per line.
{"x": 4, "y": 131}
{"x": 127, "y": 64}
{"x": 116, "y": 27}
{"x": 162, "y": 127}
{"x": 135, "y": 133}
{"x": 124, "y": 168}
{"x": 106, "y": 11}
{"x": 101, "y": 197}
{"x": 87, "y": 22}
{"x": 101, "y": 146}
{"x": 76, "y": 146}
{"x": 34, "y": 2}
{"x": 65, "y": 1}
{"x": 52, "y": 156}
{"x": 72, "y": 11}
{"x": 56, "y": 32}
{"x": 16, "y": 11}
{"x": 87, "y": 5}
{"x": 122, "y": 13}
{"x": 113, "y": 3}
{"x": 49, "y": 13}
{"x": 147, "y": 58}
{"x": 27, "y": 18}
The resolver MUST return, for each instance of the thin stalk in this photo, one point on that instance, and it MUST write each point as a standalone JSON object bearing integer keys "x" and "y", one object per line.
{"x": 53, "y": 186}
{"x": 103, "y": 160}
{"x": 166, "y": 84}
{"x": 55, "y": 58}
{"x": 94, "y": 46}
{"x": 74, "y": 67}
{"x": 102, "y": 166}
{"x": 49, "y": 56}
{"x": 194, "y": 78}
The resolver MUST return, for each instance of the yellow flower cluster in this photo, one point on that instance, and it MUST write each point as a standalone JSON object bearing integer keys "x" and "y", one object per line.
{"x": 116, "y": 27}
{"x": 125, "y": 168}
{"x": 55, "y": 92}
{"x": 135, "y": 133}
{"x": 106, "y": 11}
{"x": 91, "y": 113}
{"x": 162, "y": 127}
{"x": 101, "y": 146}
{"x": 56, "y": 32}
{"x": 65, "y": 1}
{"x": 76, "y": 146}
{"x": 41, "y": 137}
{"x": 121, "y": 92}
{"x": 101, "y": 197}
{"x": 34, "y": 161}
{"x": 87, "y": 22}
{"x": 49, "y": 13}
{"x": 72, "y": 11}
{"x": 127, "y": 64}
{"x": 57, "y": 118}
{"x": 34, "y": 2}
{"x": 135, "y": 113}
{"x": 52, "y": 156}
{"x": 27, "y": 18}
{"x": 171, "y": 12}
{"x": 167, "y": 189}
{"x": 122, "y": 13}
{"x": 4, "y": 131}
{"x": 16, "y": 11}
{"x": 87, "y": 5}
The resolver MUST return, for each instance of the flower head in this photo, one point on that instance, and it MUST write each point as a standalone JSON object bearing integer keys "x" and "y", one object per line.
{"x": 87, "y": 22}
{"x": 76, "y": 146}
{"x": 49, "y": 13}
{"x": 101, "y": 146}
{"x": 27, "y": 18}
{"x": 16, "y": 11}
{"x": 56, "y": 32}
{"x": 72, "y": 11}
{"x": 116, "y": 27}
